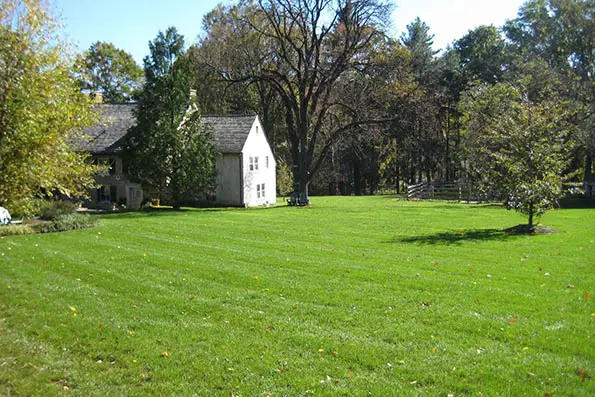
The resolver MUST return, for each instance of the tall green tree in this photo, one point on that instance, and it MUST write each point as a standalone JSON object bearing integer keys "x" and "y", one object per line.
{"x": 418, "y": 40}
{"x": 42, "y": 110}
{"x": 482, "y": 54}
{"x": 107, "y": 69}
{"x": 418, "y": 128}
{"x": 168, "y": 141}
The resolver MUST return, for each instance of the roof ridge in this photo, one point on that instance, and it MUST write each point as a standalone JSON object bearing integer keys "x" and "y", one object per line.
{"x": 116, "y": 104}
{"x": 230, "y": 115}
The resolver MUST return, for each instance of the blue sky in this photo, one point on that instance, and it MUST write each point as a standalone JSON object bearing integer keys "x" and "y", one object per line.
{"x": 131, "y": 24}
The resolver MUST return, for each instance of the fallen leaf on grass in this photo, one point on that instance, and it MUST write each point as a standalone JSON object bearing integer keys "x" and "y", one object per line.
{"x": 513, "y": 321}
{"x": 587, "y": 295}
{"x": 583, "y": 374}
{"x": 350, "y": 375}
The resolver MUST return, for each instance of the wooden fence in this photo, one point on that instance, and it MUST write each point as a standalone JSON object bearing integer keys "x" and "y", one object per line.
{"x": 459, "y": 191}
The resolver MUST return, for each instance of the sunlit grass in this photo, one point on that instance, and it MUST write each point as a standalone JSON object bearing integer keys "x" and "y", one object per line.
{"x": 348, "y": 297}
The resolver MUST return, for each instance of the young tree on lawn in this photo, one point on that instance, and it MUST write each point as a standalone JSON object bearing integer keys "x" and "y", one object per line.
{"x": 41, "y": 110}
{"x": 109, "y": 70}
{"x": 162, "y": 150}
{"x": 518, "y": 147}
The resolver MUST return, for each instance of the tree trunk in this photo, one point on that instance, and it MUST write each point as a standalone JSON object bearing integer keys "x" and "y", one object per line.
{"x": 530, "y": 215}
{"x": 300, "y": 183}
{"x": 357, "y": 179}
{"x": 588, "y": 166}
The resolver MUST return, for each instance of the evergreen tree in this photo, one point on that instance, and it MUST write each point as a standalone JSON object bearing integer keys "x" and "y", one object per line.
{"x": 170, "y": 150}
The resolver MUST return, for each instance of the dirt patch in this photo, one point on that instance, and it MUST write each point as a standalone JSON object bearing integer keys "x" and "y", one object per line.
{"x": 525, "y": 229}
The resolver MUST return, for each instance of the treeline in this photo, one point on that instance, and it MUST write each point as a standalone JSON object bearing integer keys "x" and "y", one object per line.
{"x": 350, "y": 110}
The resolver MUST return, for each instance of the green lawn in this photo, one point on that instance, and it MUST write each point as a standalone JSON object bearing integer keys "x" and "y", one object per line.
{"x": 352, "y": 296}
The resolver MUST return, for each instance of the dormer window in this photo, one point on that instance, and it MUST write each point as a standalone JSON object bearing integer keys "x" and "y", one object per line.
{"x": 109, "y": 164}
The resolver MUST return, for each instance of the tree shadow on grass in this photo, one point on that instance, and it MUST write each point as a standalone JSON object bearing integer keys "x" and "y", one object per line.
{"x": 158, "y": 212}
{"x": 457, "y": 237}
{"x": 171, "y": 212}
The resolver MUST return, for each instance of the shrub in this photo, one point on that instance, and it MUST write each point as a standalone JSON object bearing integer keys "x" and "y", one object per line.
{"x": 16, "y": 230}
{"x": 62, "y": 223}
{"x": 52, "y": 210}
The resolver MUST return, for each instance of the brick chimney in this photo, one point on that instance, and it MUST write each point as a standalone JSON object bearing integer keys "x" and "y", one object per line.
{"x": 97, "y": 97}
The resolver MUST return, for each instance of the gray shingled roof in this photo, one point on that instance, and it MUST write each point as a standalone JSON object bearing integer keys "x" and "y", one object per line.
{"x": 114, "y": 122}
{"x": 230, "y": 132}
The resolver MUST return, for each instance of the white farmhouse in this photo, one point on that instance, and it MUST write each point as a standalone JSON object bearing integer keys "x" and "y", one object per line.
{"x": 246, "y": 166}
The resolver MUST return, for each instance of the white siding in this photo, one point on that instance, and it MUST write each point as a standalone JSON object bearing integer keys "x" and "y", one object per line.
{"x": 228, "y": 179}
{"x": 256, "y": 145}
